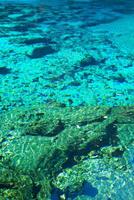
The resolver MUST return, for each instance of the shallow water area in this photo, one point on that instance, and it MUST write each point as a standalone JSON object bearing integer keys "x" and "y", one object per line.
{"x": 66, "y": 100}
{"x": 75, "y": 52}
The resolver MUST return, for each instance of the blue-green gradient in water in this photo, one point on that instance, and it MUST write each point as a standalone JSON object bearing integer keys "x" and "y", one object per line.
{"x": 66, "y": 100}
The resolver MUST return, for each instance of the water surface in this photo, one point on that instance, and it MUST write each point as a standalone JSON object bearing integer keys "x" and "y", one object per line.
{"x": 66, "y": 100}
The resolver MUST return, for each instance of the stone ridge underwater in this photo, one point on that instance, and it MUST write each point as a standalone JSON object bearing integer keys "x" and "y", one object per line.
{"x": 55, "y": 152}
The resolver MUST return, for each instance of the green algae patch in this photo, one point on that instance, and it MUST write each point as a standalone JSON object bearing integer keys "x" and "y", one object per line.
{"x": 14, "y": 185}
{"x": 45, "y": 128}
{"x": 46, "y": 147}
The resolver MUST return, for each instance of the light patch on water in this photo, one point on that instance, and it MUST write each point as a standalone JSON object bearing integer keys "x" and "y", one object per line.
{"x": 122, "y": 33}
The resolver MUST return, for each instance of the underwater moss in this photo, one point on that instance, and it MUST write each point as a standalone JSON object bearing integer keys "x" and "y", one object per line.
{"x": 41, "y": 145}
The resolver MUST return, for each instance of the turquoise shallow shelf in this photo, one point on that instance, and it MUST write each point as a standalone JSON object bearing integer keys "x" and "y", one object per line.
{"x": 75, "y": 53}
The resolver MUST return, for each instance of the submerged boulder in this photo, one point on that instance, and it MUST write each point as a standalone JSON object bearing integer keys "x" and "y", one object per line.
{"x": 40, "y": 52}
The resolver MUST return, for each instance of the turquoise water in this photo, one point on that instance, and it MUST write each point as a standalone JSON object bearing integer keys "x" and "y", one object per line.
{"x": 74, "y": 53}
{"x": 66, "y": 100}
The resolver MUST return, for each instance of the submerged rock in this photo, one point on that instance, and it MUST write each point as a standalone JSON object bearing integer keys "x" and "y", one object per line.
{"x": 66, "y": 148}
{"x": 5, "y": 70}
{"x": 87, "y": 61}
{"x": 40, "y": 52}
{"x": 39, "y": 40}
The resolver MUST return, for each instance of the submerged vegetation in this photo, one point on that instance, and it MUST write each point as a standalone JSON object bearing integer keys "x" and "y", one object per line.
{"x": 48, "y": 151}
